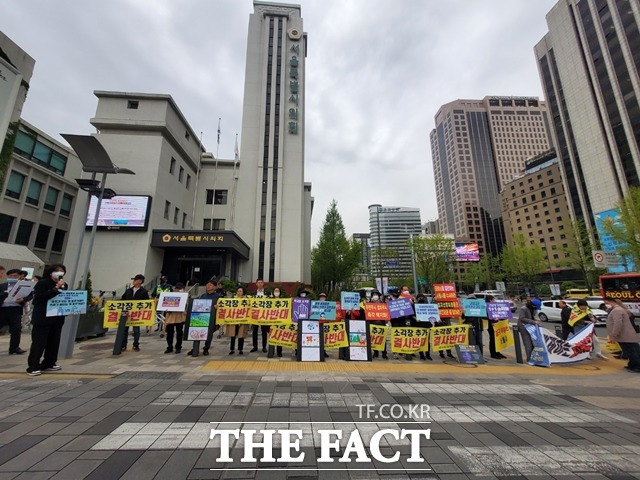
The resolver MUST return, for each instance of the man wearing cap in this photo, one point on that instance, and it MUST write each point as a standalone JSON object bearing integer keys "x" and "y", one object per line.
{"x": 11, "y": 312}
{"x": 135, "y": 292}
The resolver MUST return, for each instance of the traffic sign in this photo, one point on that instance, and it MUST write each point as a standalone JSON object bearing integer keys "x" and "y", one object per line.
{"x": 603, "y": 259}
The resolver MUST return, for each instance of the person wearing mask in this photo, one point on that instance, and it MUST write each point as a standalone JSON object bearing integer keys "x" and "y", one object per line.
{"x": 11, "y": 311}
{"x": 174, "y": 322}
{"x": 212, "y": 293}
{"x": 621, "y": 331}
{"x": 376, "y": 298}
{"x": 237, "y": 331}
{"x": 135, "y": 292}
{"x": 46, "y": 331}
{"x": 526, "y": 315}
{"x": 260, "y": 292}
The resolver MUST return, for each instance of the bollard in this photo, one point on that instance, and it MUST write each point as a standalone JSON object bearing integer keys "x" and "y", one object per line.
{"x": 196, "y": 348}
{"x": 120, "y": 334}
{"x": 271, "y": 350}
{"x": 517, "y": 345}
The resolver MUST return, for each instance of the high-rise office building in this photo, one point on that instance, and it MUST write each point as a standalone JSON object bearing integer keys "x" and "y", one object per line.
{"x": 589, "y": 64}
{"x": 477, "y": 147}
{"x": 391, "y": 229}
{"x": 274, "y": 200}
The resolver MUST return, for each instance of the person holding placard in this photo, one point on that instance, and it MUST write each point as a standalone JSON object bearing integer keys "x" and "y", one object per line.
{"x": 46, "y": 331}
{"x": 240, "y": 331}
{"x": 11, "y": 311}
{"x": 260, "y": 292}
{"x": 135, "y": 292}
{"x": 492, "y": 334}
{"x": 375, "y": 298}
{"x": 420, "y": 299}
{"x": 174, "y": 322}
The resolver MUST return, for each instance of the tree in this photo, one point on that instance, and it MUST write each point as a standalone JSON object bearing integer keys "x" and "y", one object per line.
{"x": 334, "y": 259}
{"x": 485, "y": 272}
{"x": 577, "y": 255}
{"x": 522, "y": 262}
{"x": 434, "y": 256}
{"x": 626, "y": 232}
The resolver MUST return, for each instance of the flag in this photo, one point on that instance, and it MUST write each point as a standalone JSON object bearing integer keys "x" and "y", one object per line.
{"x": 219, "y": 131}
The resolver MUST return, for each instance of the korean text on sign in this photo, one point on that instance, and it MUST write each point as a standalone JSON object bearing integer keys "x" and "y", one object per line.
{"x": 445, "y": 338}
{"x": 335, "y": 335}
{"x": 285, "y": 335}
{"x": 233, "y": 311}
{"x": 139, "y": 313}
{"x": 503, "y": 334}
{"x": 270, "y": 311}
{"x": 376, "y": 311}
{"x": 409, "y": 340}
{"x": 378, "y": 335}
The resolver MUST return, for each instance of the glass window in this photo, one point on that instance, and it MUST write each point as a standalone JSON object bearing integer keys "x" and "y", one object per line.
{"x": 184, "y": 219}
{"x": 24, "y": 232}
{"x": 33, "y": 194}
{"x": 14, "y": 187}
{"x": 176, "y": 213}
{"x": 58, "y": 163}
{"x": 132, "y": 104}
{"x": 65, "y": 205}
{"x": 218, "y": 224}
{"x": 24, "y": 143}
{"x": 220, "y": 197}
{"x": 6, "y": 223}
{"x": 42, "y": 237}
{"x": 51, "y": 199}
{"x": 172, "y": 167}
{"x": 58, "y": 240}
{"x": 181, "y": 174}
{"x": 167, "y": 207}
{"x": 206, "y": 225}
{"x": 188, "y": 184}
{"x": 42, "y": 153}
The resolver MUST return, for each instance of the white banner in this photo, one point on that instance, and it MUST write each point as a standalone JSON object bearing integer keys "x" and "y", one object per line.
{"x": 556, "y": 350}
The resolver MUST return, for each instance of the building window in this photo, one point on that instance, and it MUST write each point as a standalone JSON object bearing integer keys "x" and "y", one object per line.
{"x": 6, "y": 223}
{"x": 51, "y": 199}
{"x": 25, "y": 143}
{"x": 186, "y": 135}
{"x": 184, "y": 219}
{"x": 176, "y": 214}
{"x": 33, "y": 193}
{"x": 181, "y": 174}
{"x": 65, "y": 205}
{"x": 188, "y": 184}
{"x": 167, "y": 207}
{"x": 58, "y": 240}
{"x": 24, "y": 232}
{"x": 172, "y": 166}
{"x": 14, "y": 187}
{"x": 218, "y": 224}
{"x": 132, "y": 104}
{"x": 217, "y": 197}
{"x": 42, "y": 237}
{"x": 206, "y": 225}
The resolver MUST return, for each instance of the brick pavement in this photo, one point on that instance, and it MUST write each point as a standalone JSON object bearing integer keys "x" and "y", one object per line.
{"x": 148, "y": 415}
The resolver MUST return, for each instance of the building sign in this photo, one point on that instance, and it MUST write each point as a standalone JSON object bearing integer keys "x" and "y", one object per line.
{"x": 200, "y": 238}
{"x": 294, "y": 76}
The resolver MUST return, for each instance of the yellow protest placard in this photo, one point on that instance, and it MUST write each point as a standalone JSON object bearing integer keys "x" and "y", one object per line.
{"x": 578, "y": 314}
{"x": 270, "y": 311}
{"x": 612, "y": 347}
{"x": 503, "y": 334}
{"x": 445, "y": 338}
{"x": 335, "y": 335}
{"x": 378, "y": 335}
{"x": 140, "y": 313}
{"x": 284, "y": 335}
{"x": 409, "y": 340}
{"x": 233, "y": 311}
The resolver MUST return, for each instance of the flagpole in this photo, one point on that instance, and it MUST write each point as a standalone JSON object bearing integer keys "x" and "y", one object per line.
{"x": 195, "y": 193}
{"x": 235, "y": 184}
{"x": 215, "y": 174}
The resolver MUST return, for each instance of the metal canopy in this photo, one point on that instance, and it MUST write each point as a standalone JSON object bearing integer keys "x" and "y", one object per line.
{"x": 92, "y": 154}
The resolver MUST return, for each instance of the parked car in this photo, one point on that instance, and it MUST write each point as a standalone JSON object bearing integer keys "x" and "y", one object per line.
{"x": 550, "y": 312}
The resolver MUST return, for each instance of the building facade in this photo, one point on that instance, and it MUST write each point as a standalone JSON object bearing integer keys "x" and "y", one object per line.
{"x": 589, "y": 64}
{"x": 391, "y": 229}
{"x": 275, "y": 201}
{"x": 478, "y": 146}
{"x": 363, "y": 272}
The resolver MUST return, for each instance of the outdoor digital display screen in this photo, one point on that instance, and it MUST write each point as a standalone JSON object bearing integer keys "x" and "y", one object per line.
{"x": 467, "y": 252}
{"x": 122, "y": 212}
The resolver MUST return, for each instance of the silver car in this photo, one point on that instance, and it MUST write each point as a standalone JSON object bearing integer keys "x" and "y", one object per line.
{"x": 550, "y": 312}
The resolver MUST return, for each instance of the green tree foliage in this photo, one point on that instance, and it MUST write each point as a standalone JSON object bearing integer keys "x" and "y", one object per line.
{"x": 7, "y": 150}
{"x": 485, "y": 272}
{"x": 334, "y": 259}
{"x": 626, "y": 232}
{"x": 434, "y": 256}
{"x": 578, "y": 253}
{"x": 522, "y": 262}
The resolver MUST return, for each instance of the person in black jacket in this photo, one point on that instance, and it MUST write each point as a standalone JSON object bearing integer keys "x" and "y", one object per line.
{"x": 135, "y": 292}
{"x": 46, "y": 331}
{"x": 565, "y": 314}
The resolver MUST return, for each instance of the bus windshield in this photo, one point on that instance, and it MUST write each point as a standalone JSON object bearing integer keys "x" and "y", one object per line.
{"x": 625, "y": 286}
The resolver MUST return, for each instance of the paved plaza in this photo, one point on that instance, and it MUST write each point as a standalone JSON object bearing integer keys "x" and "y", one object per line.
{"x": 148, "y": 415}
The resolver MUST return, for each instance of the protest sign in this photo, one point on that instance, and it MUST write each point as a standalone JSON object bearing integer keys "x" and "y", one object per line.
{"x": 310, "y": 341}
{"x": 19, "y": 289}
{"x": 335, "y": 335}
{"x": 139, "y": 313}
{"x": 401, "y": 307}
{"x": 67, "y": 302}
{"x": 409, "y": 339}
{"x": 612, "y": 347}
{"x": 469, "y": 354}
{"x": 578, "y": 314}
{"x": 284, "y": 335}
{"x": 300, "y": 309}
{"x": 350, "y": 300}
{"x": 447, "y": 337}
{"x": 503, "y": 335}
{"x": 474, "y": 307}
{"x": 378, "y": 336}
{"x": 172, "y": 301}
{"x": 549, "y": 349}
{"x": 270, "y": 311}
{"x": 376, "y": 311}
{"x": 499, "y": 310}
{"x": 323, "y": 310}
{"x": 447, "y": 299}
{"x": 199, "y": 319}
{"x": 427, "y": 312}
{"x": 233, "y": 311}
{"x": 357, "y": 337}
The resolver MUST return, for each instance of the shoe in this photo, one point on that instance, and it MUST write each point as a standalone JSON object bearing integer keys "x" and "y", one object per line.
{"x": 395, "y": 356}
{"x": 240, "y": 352}
{"x": 602, "y": 356}
{"x": 136, "y": 349}
{"x": 375, "y": 354}
{"x": 53, "y": 368}
{"x": 326, "y": 355}
{"x": 384, "y": 355}
{"x": 264, "y": 350}
{"x": 33, "y": 373}
{"x": 178, "y": 350}
{"x": 168, "y": 350}
{"x": 254, "y": 349}
{"x": 190, "y": 352}
{"x": 123, "y": 349}
{"x": 428, "y": 357}
{"x": 450, "y": 356}
{"x": 162, "y": 335}
{"x": 279, "y": 354}
{"x": 17, "y": 351}
{"x": 496, "y": 356}
{"x": 205, "y": 352}
{"x": 441, "y": 354}
{"x": 231, "y": 352}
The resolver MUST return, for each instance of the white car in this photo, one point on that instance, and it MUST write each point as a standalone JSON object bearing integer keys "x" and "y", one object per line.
{"x": 550, "y": 312}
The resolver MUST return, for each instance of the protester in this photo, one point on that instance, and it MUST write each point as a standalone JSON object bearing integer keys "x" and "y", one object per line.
{"x": 212, "y": 293}
{"x": 46, "y": 331}
{"x": 492, "y": 334}
{"x": 174, "y": 322}
{"x": 135, "y": 292}
{"x": 526, "y": 315}
{"x": 420, "y": 298}
{"x": 260, "y": 292}
{"x": 163, "y": 287}
{"x": 475, "y": 328}
{"x": 621, "y": 331}
{"x": 11, "y": 311}
{"x": 237, "y": 331}
{"x": 376, "y": 298}
{"x": 565, "y": 315}
{"x": 276, "y": 294}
